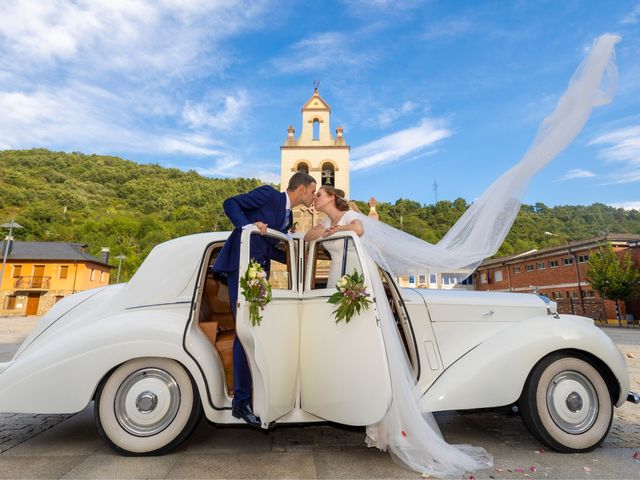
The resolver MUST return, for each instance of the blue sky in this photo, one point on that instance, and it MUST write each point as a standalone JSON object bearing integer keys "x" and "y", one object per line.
{"x": 425, "y": 90}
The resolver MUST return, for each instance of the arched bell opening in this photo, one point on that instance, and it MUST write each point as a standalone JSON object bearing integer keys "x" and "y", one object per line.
{"x": 328, "y": 174}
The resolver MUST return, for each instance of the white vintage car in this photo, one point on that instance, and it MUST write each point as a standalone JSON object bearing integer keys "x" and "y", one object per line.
{"x": 155, "y": 353}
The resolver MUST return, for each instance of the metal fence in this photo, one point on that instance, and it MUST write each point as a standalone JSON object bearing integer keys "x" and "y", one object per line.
{"x": 587, "y": 307}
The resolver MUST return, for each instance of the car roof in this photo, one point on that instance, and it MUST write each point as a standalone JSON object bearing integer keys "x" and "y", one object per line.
{"x": 170, "y": 271}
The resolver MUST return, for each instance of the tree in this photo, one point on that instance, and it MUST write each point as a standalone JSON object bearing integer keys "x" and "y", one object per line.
{"x": 614, "y": 278}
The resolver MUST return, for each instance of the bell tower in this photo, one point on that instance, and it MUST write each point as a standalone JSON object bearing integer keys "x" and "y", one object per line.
{"x": 317, "y": 152}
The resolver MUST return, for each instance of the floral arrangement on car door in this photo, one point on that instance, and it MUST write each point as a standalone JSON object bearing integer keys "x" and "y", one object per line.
{"x": 256, "y": 290}
{"x": 351, "y": 297}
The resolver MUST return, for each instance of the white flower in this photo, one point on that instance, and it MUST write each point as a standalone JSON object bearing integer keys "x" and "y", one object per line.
{"x": 253, "y": 272}
{"x": 343, "y": 282}
{"x": 262, "y": 274}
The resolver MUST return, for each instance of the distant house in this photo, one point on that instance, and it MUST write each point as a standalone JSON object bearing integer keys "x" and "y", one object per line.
{"x": 560, "y": 273}
{"x": 39, "y": 274}
{"x": 444, "y": 281}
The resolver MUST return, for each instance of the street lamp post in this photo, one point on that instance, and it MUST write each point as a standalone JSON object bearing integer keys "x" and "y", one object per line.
{"x": 119, "y": 258}
{"x": 575, "y": 262}
{"x": 11, "y": 225}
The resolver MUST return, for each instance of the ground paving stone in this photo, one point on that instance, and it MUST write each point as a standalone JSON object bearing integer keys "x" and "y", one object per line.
{"x": 44, "y": 467}
{"x": 114, "y": 466}
{"x": 358, "y": 465}
{"x": 16, "y": 429}
{"x": 258, "y": 465}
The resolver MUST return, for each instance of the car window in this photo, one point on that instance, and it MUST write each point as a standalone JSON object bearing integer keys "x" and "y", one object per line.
{"x": 280, "y": 277}
{"x": 333, "y": 259}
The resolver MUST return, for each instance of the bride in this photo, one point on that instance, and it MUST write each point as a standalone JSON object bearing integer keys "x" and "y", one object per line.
{"x": 410, "y": 435}
{"x": 340, "y": 218}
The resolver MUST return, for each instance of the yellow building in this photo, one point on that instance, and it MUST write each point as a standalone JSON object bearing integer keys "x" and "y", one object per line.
{"x": 39, "y": 274}
{"x": 317, "y": 152}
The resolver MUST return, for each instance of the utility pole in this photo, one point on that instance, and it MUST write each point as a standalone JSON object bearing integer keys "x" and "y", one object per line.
{"x": 11, "y": 225}
{"x": 119, "y": 258}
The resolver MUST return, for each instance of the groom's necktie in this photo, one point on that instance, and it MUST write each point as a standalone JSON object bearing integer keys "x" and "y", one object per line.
{"x": 287, "y": 212}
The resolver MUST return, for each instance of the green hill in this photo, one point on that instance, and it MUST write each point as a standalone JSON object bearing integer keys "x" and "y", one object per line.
{"x": 108, "y": 201}
{"x": 129, "y": 207}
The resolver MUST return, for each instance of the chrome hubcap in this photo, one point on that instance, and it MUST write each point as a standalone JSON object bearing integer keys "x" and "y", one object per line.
{"x": 147, "y": 402}
{"x": 572, "y": 402}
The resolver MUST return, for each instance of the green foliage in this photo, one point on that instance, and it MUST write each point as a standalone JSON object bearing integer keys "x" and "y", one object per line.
{"x": 613, "y": 277}
{"x": 109, "y": 202}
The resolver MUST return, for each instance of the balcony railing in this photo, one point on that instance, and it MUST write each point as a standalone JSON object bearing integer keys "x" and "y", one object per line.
{"x": 32, "y": 283}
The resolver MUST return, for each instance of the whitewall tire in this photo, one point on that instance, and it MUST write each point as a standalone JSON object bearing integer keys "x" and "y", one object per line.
{"x": 147, "y": 406}
{"x": 566, "y": 403}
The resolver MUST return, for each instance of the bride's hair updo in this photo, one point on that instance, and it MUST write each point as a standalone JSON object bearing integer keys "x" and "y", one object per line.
{"x": 338, "y": 194}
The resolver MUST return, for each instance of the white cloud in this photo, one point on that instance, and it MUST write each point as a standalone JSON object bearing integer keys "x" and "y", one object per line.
{"x": 390, "y": 115}
{"x": 321, "y": 51}
{"x": 68, "y": 119}
{"x": 447, "y": 29}
{"x": 398, "y": 146}
{"x": 113, "y": 76}
{"x": 232, "y": 167}
{"x": 627, "y": 205}
{"x": 632, "y": 17}
{"x": 576, "y": 173}
{"x": 224, "y": 113}
{"x": 115, "y": 35}
{"x": 367, "y": 7}
{"x": 621, "y": 146}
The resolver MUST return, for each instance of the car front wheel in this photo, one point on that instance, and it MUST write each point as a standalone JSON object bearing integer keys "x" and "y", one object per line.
{"x": 566, "y": 404}
{"x": 147, "y": 406}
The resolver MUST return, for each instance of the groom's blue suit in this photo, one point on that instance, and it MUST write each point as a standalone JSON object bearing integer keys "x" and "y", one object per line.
{"x": 264, "y": 204}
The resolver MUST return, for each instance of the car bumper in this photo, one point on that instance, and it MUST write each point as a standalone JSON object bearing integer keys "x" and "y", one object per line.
{"x": 4, "y": 366}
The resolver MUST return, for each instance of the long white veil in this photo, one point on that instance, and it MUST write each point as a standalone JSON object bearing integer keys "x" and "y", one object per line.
{"x": 411, "y": 436}
{"x": 479, "y": 233}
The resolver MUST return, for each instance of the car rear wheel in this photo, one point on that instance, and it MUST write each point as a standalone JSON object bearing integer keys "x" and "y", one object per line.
{"x": 147, "y": 406}
{"x": 566, "y": 404}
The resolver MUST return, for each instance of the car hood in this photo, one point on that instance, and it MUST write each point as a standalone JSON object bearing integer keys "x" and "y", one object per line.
{"x": 465, "y": 306}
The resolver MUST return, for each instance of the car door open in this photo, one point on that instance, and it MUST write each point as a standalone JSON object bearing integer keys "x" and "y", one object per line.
{"x": 272, "y": 348}
{"x": 344, "y": 374}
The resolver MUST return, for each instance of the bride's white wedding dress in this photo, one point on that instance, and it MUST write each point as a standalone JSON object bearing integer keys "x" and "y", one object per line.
{"x": 411, "y": 436}
{"x": 336, "y": 250}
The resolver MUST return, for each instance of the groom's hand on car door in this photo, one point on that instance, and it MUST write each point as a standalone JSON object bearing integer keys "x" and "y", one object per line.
{"x": 262, "y": 227}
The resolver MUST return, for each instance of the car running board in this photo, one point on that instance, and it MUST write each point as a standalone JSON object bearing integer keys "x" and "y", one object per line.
{"x": 633, "y": 397}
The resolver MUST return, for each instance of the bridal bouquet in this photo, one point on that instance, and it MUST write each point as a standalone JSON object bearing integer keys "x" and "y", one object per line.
{"x": 351, "y": 297}
{"x": 256, "y": 290}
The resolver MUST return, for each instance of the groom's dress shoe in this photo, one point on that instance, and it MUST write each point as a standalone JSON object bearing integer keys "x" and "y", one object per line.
{"x": 244, "y": 412}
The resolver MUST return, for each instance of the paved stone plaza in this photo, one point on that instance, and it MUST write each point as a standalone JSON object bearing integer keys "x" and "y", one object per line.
{"x": 68, "y": 446}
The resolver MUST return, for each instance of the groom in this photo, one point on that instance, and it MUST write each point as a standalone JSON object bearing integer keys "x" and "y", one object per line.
{"x": 263, "y": 207}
